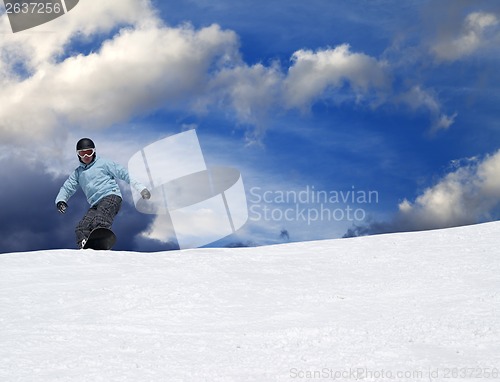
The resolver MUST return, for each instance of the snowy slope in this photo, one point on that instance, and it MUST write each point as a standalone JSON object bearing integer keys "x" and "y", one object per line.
{"x": 408, "y": 307}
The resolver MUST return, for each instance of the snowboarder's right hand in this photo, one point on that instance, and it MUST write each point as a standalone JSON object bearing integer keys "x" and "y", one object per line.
{"x": 62, "y": 206}
{"x": 146, "y": 194}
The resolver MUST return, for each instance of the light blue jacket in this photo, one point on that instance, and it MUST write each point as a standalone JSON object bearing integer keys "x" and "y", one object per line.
{"x": 97, "y": 180}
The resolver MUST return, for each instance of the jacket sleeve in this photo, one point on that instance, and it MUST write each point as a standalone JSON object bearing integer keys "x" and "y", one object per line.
{"x": 120, "y": 172}
{"x": 68, "y": 188}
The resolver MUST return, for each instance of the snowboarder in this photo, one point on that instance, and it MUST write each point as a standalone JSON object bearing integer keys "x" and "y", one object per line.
{"x": 96, "y": 176}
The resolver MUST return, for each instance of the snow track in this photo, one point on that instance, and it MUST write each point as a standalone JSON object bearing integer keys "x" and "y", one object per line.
{"x": 407, "y": 307}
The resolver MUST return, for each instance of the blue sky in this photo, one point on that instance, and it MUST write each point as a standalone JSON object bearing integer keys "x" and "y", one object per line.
{"x": 338, "y": 97}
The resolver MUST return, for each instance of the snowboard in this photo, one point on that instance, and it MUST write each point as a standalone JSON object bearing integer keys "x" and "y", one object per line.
{"x": 100, "y": 239}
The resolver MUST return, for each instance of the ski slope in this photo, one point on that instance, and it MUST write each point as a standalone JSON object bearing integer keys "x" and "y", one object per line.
{"x": 406, "y": 307}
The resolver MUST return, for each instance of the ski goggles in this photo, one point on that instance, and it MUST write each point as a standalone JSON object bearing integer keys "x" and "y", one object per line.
{"x": 85, "y": 153}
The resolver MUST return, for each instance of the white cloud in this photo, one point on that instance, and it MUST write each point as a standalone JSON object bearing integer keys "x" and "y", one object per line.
{"x": 312, "y": 73}
{"x": 251, "y": 91}
{"x": 137, "y": 71}
{"x": 44, "y": 43}
{"x": 464, "y": 196}
{"x": 419, "y": 98}
{"x": 478, "y": 30}
{"x": 148, "y": 66}
{"x": 334, "y": 74}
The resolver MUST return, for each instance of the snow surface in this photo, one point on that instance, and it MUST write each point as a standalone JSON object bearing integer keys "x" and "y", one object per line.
{"x": 407, "y": 307}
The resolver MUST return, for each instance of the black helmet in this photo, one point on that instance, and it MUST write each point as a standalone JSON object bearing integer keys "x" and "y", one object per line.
{"x": 85, "y": 143}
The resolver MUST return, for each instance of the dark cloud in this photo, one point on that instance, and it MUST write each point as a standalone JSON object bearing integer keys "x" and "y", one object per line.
{"x": 396, "y": 224}
{"x": 29, "y": 218}
{"x": 240, "y": 244}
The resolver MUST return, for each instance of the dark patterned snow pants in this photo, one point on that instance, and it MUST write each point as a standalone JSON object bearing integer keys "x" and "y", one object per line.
{"x": 100, "y": 215}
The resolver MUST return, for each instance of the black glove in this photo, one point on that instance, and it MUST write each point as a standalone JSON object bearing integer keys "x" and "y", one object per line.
{"x": 62, "y": 206}
{"x": 145, "y": 194}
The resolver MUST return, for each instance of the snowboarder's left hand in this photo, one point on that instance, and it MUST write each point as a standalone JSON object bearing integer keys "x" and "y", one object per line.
{"x": 145, "y": 194}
